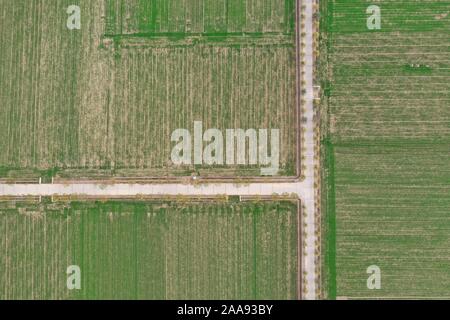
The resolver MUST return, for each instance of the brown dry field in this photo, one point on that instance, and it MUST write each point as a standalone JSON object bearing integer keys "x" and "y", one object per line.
{"x": 91, "y": 104}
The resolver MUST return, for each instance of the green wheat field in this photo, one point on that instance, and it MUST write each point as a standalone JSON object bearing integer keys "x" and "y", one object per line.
{"x": 387, "y": 140}
{"x": 149, "y": 249}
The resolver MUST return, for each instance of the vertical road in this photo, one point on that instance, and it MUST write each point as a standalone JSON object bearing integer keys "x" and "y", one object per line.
{"x": 307, "y": 191}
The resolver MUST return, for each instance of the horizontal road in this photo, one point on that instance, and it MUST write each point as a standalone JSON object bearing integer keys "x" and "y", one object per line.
{"x": 206, "y": 189}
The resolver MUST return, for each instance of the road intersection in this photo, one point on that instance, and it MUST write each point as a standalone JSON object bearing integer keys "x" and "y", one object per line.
{"x": 304, "y": 189}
